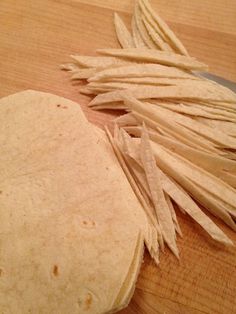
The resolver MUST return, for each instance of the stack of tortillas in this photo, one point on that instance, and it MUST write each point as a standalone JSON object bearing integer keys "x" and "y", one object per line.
{"x": 177, "y": 141}
{"x": 72, "y": 230}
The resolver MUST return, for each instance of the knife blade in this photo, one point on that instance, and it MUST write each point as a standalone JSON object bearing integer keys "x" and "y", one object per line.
{"x": 229, "y": 84}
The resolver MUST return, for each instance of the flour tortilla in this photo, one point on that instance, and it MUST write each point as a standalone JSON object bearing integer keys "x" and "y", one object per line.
{"x": 70, "y": 222}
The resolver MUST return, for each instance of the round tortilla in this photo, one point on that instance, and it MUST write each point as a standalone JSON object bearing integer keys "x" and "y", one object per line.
{"x": 70, "y": 224}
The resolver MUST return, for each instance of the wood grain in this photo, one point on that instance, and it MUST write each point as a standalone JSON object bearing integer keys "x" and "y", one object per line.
{"x": 37, "y": 36}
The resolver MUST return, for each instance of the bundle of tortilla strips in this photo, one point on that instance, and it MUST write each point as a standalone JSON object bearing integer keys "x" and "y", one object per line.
{"x": 177, "y": 141}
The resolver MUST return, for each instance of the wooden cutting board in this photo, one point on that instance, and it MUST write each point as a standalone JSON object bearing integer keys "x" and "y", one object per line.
{"x": 37, "y": 36}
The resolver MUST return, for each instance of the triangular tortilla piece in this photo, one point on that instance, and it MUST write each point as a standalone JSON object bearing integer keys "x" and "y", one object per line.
{"x": 124, "y": 37}
{"x": 138, "y": 41}
{"x": 141, "y": 28}
{"x": 182, "y": 199}
{"x": 158, "y": 197}
{"x": 165, "y": 28}
{"x": 155, "y": 56}
{"x": 62, "y": 201}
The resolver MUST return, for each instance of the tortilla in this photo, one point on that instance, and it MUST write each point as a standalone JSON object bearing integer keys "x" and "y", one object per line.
{"x": 68, "y": 213}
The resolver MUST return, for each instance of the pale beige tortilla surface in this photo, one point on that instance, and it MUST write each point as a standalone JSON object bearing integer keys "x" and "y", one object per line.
{"x": 70, "y": 222}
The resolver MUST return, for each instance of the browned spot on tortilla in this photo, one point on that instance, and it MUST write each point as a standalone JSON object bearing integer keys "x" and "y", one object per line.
{"x": 1, "y": 272}
{"x": 58, "y": 106}
{"x": 55, "y": 271}
{"x": 88, "y": 301}
{"x": 0, "y": 192}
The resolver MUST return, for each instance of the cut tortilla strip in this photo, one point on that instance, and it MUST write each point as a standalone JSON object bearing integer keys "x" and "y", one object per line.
{"x": 124, "y": 37}
{"x": 126, "y": 120}
{"x": 155, "y": 56}
{"x": 156, "y": 38}
{"x": 99, "y": 62}
{"x": 149, "y": 80}
{"x": 71, "y": 67}
{"x": 141, "y": 71}
{"x": 162, "y": 210}
{"x": 183, "y": 200}
{"x": 138, "y": 41}
{"x": 87, "y": 91}
{"x": 179, "y": 47}
{"x": 141, "y": 28}
{"x": 111, "y": 106}
{"x": 173, "y": 215}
